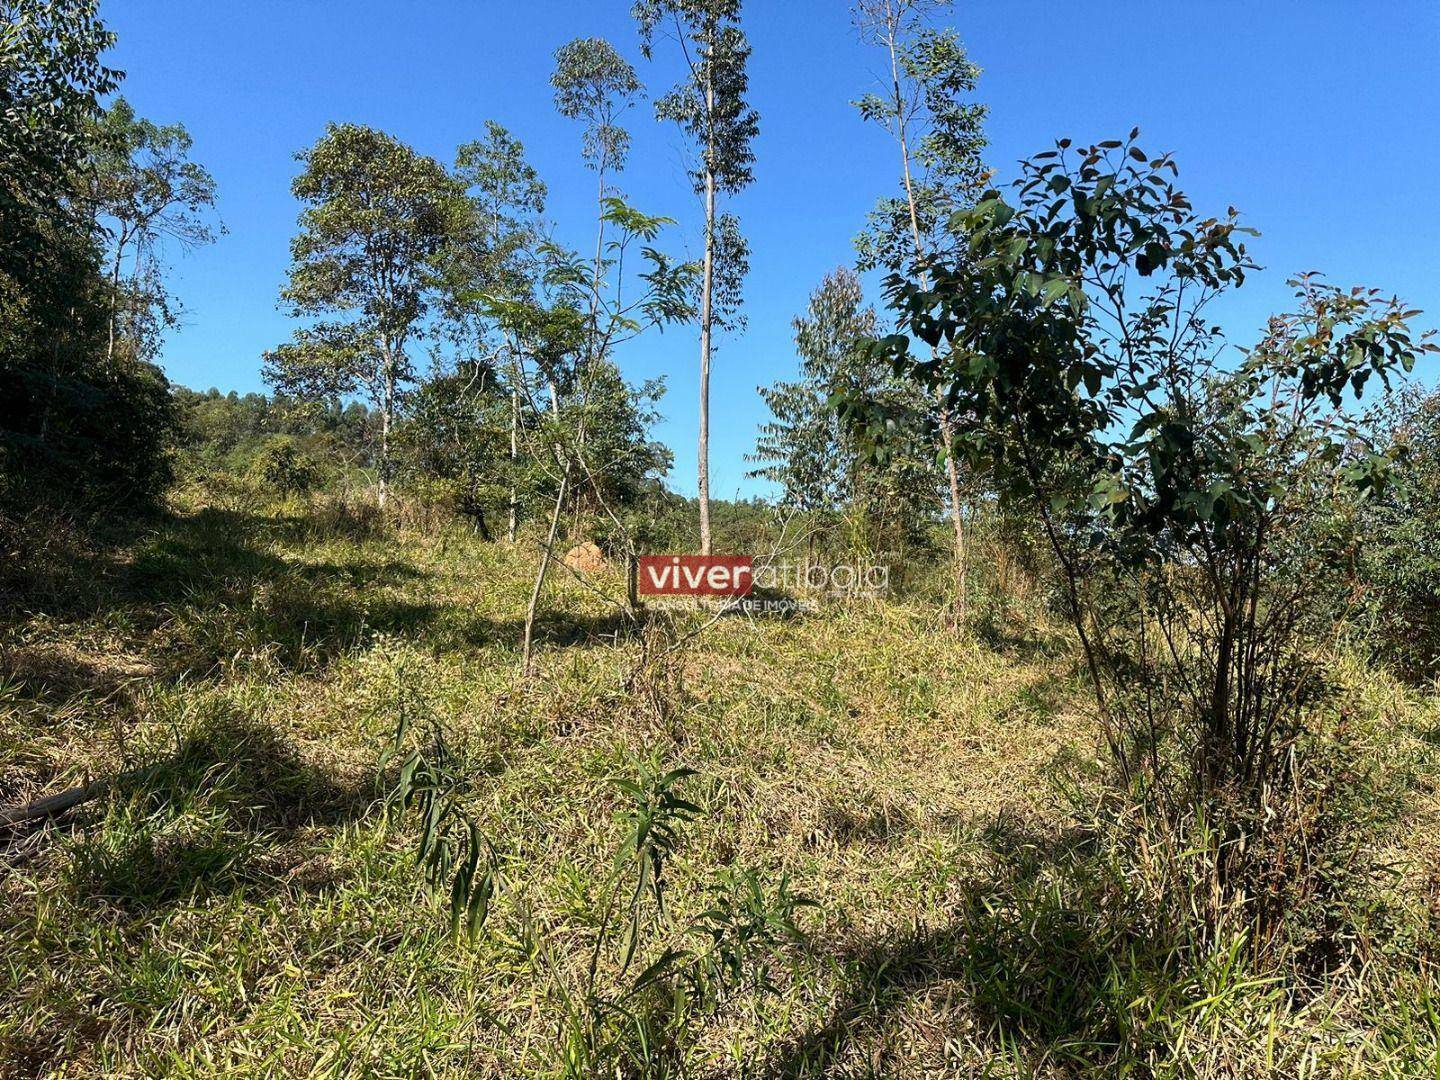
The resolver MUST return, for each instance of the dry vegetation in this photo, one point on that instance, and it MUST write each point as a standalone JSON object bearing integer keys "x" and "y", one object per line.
{"x": 239, "y": 901}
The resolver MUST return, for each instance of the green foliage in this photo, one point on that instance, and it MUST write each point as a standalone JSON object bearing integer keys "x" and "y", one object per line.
{"x": 52, "y": 77}
{"x": 453, "y": 854}
{"x": 1398, "y": 540}
{"x": 1188, "y": 505}
{"x": 283, "y": 468}
{"x": 80, "y": 429}
{"x": 510, "y": 196}
{"x": 710, "y": 105}
{"x": 620, "y": 1012}
{"x": 146, "y": 193}
{"x": 928, "y": 107}
{"x": 457, "y": 428}
{"x": 378, "y": 224}
{"x": 815, "y": 458}
{"x": 623, "y": 465}
{"x": 596, "y": 85}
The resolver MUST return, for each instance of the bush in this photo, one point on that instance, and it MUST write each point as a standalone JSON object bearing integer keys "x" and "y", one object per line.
{"x": 283, "y": 468}
{"x": 1190, "y": 507}
{"x": 1398, "y": 538}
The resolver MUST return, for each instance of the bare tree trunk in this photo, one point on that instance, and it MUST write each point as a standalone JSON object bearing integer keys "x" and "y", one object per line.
{"x": 582, "y": 392}
{"x": 706, "y": 318}
{"x": 387, "y": 407}
{"x": 952, "y": 471}
{"x": 527, "y": 645}
{"x": 514, "y": 460}
{"x": 115, "y": 295}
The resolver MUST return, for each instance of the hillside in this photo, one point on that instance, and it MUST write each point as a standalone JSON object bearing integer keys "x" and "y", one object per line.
{"x": 238, "y": 900}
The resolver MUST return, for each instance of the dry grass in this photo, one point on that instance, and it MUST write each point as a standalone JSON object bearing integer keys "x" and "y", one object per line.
{"x": 244, "y": 906}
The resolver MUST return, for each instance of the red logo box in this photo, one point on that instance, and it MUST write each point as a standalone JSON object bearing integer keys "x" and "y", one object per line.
{"x": 694, "y": 575}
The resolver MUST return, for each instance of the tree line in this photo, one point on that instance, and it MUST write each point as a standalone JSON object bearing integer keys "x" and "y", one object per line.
{"x": 438, "y": 294}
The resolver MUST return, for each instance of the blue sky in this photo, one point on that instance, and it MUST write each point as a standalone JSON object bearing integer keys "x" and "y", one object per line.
{"x": 1318, "y": 119}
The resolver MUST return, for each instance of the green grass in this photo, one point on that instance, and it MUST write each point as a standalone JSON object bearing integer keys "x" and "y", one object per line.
{"x": 240, "y": 901}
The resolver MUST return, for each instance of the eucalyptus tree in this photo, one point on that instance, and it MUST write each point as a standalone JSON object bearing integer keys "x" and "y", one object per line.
{"x": 595, "y": 85}
{"x": 938, "y": 131}
{"x": 378, "y": 225}
{"x": 813, "y": 456}
{"x": 711, "y": 108}
{"x": 145, "y": 191}
{"x": 509, "y": 199}
{"x": 802, "y": 449}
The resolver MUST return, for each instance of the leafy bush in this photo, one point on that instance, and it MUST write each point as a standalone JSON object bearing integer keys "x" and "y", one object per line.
{"x": 283, "y": 468}
{"x": 1398, "y": 540}
{"x": 1189, "y": 506}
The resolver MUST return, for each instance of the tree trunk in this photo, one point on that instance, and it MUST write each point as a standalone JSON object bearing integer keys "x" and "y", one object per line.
{"x": 387, "y": 407}
{"x": 952, "y": 472}
{"x": 527, "y": 645}
{"x": 514, "y": 463}
{"x": 115, "y": 294}
{"x": 706, "y": 318}
{"x": 957, "y": 517}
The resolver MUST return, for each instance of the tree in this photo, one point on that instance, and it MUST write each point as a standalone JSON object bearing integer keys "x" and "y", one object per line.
{"x": 596, "y": 85}
{"x": 379, "y": 222}
{"x": 457, "y": 430}
{"x": 940, "y": 136}
{"x": 582, "y": 317}
{"x": 509, "y": 197}
{"x": 711, "y": 109}
{"x": 145, "y": 191}
{"x": 52, "y": 77}
{"x": 1397, "y": 540}
{"x": 1188, "y": 504}
{"x": 75, "y": 428}
{"x": 813, "y": 456}
{"x": 569, "y": 333}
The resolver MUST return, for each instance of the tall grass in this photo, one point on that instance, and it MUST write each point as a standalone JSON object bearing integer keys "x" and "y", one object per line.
{"x": 245, "y": 904}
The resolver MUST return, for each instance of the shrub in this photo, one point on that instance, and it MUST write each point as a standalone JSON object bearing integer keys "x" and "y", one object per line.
{"x": 1189, "y": 506}
{"x": 1398, "y": 539}
{"x": 283, "y": 468}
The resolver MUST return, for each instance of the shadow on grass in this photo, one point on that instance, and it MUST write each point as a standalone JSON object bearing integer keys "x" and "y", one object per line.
{"x": 1021, "y": 642}
{"x": 1044, "y": 965}
{"x": 188, "y": 592}
{"x": 215, "y": 816}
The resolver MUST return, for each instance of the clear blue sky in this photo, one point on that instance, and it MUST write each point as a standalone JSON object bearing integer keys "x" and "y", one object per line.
{"x": 1320, "y": 120}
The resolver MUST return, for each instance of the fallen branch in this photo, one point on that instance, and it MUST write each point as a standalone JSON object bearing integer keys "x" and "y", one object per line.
{"x": 51, "y": 805}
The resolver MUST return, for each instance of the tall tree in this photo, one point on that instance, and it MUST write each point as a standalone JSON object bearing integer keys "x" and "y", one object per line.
{"x": 583, "y": 313}
{"x": 378, "y": 224}
{"x": 710, "y": 107}
{"x": 597, "y": 86}
{"x": 509, "y": 197}
{"x": 52, "y": 77}
{"x": 939, "y": 134}
{"x": 146, "y": 191}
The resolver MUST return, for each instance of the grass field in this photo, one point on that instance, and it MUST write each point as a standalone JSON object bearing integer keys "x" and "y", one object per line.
{"x": 238, "y": 900}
